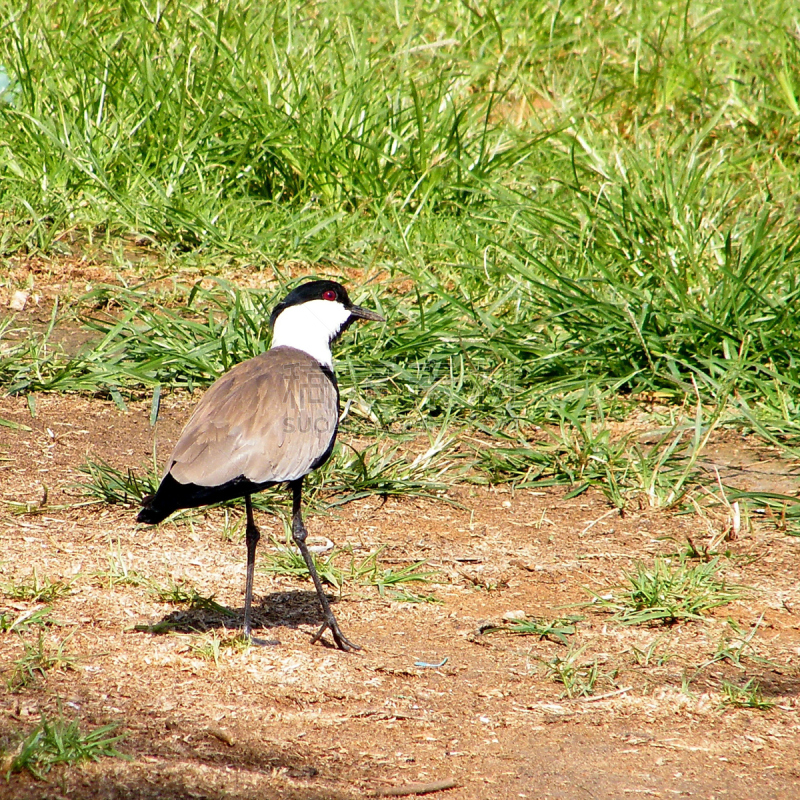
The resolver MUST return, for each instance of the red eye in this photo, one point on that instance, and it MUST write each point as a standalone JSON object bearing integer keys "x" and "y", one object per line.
{"x": 329, "y": 295}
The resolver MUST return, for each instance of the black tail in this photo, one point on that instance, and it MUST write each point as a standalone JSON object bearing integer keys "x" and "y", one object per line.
{"x": 157, "y": 507}
{"x": 172, "y": 495}
{"x": 151, "y": 513}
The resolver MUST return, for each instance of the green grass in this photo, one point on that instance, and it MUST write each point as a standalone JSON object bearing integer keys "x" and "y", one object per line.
{"x": 668, "y": 591}
{"x": 13, "y": 622}
{"x": 583, "y": 451}
{"x": 210, "y": 647}
{"x": 556, "y": 629}
{"x": 182, "y": 595}
{"x": 118, "y": 572}
{"x": 586, "y": 207}
{"x": 747, "y": 696}
{"x": 106, "y": 484}
{"x": 39, "y": 658}
{"x": 36, "y": 589}
{"x": 578, "y": 676}
{"x": 58, "y": 741}
{"x": 286, "y": 560}
{"x": 645, "y": 657}
{"x": 737, "y": 646}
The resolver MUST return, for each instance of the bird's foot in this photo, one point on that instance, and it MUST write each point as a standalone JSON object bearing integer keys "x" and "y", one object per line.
{"x": 247, "y": 636}
{"x": 342, "y": 642}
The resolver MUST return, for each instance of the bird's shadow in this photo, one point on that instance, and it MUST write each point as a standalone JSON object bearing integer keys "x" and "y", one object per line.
{"x": 292, "y": 609}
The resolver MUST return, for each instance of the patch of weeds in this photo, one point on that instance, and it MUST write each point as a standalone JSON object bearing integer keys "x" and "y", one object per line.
{"x": 19, "y": 623}
{"x": 668, "y": 591}
{"x": 286, "y": 560}
{"x": 588, "y": 456}
{"x": 497, "y": 463}
{"x": 211, "y": 646}
{"x": 383, "y": 469}
{"x": 657, "y": 472}
{"x": 584, "y": 451}
{"x": 118, "y": 572}
{"x": 36, "y": 590}
{"x": 38, "y": 659}
{"x": 59, "y": 741}
{"x": 106, "y": 484}
{"x": 747, "y": 696}
{"x": 369, "y": 573}
{"x": 232, "y": 529}
{"x": 578, "y": 677}
{"x": 580, "y": 452}
{"x": 738, "y": 647}
{"x": 178, "y": 595}
{"x": 557, "y": 630}
{"x": 782, "y": 510}
{"x": 648, "y": 656}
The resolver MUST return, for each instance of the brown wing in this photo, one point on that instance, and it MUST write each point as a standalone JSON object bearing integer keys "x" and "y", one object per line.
{"x": 269, "y": 419}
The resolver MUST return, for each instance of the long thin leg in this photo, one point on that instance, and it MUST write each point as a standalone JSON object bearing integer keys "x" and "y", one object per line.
{"x": 252, "y": 536}
{"x": 299, "y": 535}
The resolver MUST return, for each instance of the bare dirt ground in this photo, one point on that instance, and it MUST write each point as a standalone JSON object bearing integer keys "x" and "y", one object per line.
{"x": 303, "y": 720}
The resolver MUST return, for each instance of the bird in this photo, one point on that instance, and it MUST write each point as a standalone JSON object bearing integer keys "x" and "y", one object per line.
{"x": 269, "y": 420}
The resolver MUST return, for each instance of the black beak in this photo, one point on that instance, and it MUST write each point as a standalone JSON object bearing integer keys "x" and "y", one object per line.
{"x": 364, "y": 313}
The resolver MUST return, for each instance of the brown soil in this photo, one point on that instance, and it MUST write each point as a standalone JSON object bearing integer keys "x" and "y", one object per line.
{"x": 303, "y": 720}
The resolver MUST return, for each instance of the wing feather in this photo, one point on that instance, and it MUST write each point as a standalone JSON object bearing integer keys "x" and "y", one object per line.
{"x": 269, "y": 419}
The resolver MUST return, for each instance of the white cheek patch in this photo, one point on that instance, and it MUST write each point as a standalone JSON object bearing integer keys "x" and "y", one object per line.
{"x": 311, "y": 327}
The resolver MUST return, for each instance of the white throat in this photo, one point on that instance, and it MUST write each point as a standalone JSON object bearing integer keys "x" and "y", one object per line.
{"x": 311, "y": 327}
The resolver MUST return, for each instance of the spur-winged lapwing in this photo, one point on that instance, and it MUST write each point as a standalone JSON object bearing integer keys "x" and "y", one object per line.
{"x": 271, "y": 419}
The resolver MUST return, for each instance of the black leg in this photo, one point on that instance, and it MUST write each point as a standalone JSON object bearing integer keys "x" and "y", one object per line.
{"x": 299, "y": 535}
{"x": 251, "y": 537}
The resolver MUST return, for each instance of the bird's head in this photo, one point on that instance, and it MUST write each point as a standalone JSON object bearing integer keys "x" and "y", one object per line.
{"x": 314, "y": 315}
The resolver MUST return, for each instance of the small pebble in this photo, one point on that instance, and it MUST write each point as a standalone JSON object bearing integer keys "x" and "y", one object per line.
{"x": 18, "y": 301}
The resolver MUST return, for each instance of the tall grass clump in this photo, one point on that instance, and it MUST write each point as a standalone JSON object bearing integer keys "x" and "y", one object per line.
{"x": 562, "y": 200}
{"x": 193, "y": 123}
